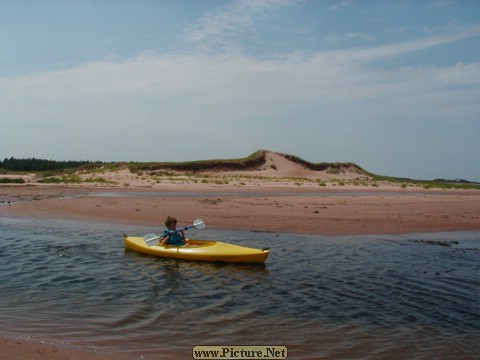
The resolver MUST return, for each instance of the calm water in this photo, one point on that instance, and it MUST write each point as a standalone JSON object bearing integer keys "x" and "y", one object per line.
{"x": 390, "y": 296}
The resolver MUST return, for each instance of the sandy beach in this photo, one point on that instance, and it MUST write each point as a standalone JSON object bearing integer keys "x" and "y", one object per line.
{"x": 267, "y": 208}
{"x": 273, "y": 209}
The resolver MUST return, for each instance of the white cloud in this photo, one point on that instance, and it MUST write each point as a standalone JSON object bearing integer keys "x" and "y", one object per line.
{"x": 391, "y": 50}
{"x": 440, "y": 4}
{"x": 160, "y": 91}
{"x": 341, "y": 4}
{"x": 349, "y": 37}
{"x": 460, "y": 74}
{"x": 221, "y": 28}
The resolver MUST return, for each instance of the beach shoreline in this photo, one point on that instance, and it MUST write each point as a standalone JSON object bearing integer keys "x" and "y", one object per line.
{"x": 16, "y": 348}
{"x": 351, "y": 211}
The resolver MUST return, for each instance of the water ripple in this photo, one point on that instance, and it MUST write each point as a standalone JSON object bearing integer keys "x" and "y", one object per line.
{"x": 323, "y": 297}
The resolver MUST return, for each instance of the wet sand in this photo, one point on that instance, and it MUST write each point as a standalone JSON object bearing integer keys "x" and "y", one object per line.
{"x": 15, "y": 349}
{"x": 272, "y": 209}
{"x": 322, "y": 212}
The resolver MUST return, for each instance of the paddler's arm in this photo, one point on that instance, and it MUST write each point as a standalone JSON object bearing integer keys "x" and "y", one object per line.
{"x": 183, "y": 237}
{"x": 166, "y": 238}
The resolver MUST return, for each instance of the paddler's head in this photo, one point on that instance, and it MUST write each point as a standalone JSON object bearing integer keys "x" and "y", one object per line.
{"x": 171, "y": 223}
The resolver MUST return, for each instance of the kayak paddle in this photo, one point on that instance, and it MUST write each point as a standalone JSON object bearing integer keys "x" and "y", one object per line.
{"x": 151, "y": 239}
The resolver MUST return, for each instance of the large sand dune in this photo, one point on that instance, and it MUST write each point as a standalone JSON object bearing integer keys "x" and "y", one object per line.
{"x": 275, "y": 169}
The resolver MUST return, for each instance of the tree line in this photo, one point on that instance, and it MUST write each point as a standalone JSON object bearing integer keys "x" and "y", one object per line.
{"x": 34, "y": 164}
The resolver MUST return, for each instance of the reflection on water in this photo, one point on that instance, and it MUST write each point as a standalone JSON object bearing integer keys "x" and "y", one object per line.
{"x": 390, "y": 296}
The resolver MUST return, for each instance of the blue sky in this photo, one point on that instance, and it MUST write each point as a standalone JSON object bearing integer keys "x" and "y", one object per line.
{"x": 393, "y": 86}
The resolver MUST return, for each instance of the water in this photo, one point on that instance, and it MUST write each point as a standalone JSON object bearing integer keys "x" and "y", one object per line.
{"x": 118, "y": 194}
{"x": 388, "y": 296}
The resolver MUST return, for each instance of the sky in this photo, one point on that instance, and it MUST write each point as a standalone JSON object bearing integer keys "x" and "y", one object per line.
{"x": 393, "y": 86}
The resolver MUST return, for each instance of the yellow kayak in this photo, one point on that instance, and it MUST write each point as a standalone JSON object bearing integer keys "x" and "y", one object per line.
{"x": 200, "y": 250}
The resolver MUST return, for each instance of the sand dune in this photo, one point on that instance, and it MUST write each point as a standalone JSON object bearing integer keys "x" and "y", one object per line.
{"x": 275, "y": 170}
{"x": 279, "y": 166}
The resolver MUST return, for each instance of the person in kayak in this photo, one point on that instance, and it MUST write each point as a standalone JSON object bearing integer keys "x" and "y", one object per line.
{"x": 170, "y": 236}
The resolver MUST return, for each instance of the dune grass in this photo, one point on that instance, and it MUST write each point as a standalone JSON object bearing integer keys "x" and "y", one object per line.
{"x": 254, "y": 160}
{"x": 12, "y": 181}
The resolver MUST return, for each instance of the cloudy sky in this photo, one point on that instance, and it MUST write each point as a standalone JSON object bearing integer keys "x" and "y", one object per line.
{"x": 393, "y": 86}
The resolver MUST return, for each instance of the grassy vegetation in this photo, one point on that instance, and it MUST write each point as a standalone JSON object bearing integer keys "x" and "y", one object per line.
{"x": 12, "y": 181}
{"x": 73, "y": 180}
{"x": 59, "y": 180}
{"x": 427, "y": 184}
{"x": 445, "y": 185}
{"x": 330, "y": 168}
{"x": 253, "y": 161}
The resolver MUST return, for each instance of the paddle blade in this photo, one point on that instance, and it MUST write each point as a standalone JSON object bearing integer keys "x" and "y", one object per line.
{"x": 151, "y": 239}
{"x": 199, "y": 224}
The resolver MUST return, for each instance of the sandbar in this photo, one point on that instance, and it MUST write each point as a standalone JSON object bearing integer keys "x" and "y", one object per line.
{"x": 270, "y": 209}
